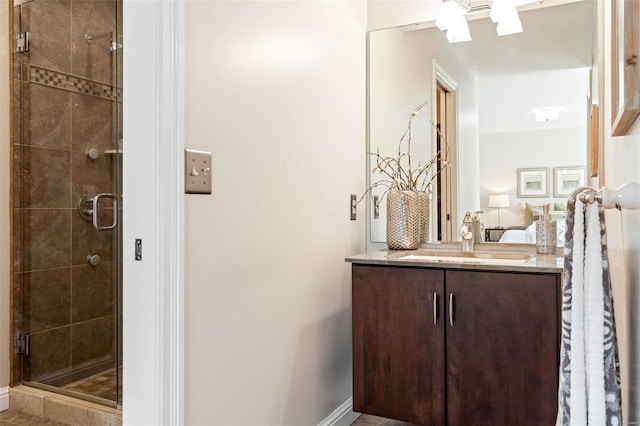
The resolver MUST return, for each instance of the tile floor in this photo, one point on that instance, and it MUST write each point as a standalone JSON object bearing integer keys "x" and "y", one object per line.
{"x": 18, "y": 418}
{"x": 54, "y": 406}
{"x": 367, "y": 420}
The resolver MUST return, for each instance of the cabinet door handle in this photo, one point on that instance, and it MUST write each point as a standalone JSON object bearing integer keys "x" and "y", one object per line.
{"x": 451, "y": 309}
{"x": 435, "y": 308}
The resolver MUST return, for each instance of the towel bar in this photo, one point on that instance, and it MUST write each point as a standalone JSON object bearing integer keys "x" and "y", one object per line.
{"x": 627, "y": 196}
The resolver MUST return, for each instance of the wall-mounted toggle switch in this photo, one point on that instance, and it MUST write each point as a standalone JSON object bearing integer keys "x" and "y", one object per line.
{"x": 376, "y": 207}
{"x": 352, "y": 204}
{"x": 197, "y": 167}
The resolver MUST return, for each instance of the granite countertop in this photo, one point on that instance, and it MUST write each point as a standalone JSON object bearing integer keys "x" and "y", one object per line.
{"x": 449, "y": 257}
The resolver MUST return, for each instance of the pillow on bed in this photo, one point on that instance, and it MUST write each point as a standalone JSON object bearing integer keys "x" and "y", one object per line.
{"x": 533, "y": 212}
{"x": 522, "y": 213}
{"x": 516, "y": 228}
{"x": 525, "y": 216}
{"x": 561, "y": 207}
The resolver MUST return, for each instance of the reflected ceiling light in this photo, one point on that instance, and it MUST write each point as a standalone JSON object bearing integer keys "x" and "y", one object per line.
{"x": 505, "y": 15}
{"x": 547, "y": 113}
{"x": 451, "y": 18}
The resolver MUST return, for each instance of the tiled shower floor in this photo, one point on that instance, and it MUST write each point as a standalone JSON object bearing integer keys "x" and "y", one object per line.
{"x": 101, "y": 385}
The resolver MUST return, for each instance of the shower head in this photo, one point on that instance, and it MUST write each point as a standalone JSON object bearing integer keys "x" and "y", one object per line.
{"x": 114, "y": 46}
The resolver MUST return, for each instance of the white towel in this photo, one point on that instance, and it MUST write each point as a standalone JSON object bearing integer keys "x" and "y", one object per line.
{"x": 578, "y": 396}
{"x": 593, "y": 319}
{"x": 589, "y": 391}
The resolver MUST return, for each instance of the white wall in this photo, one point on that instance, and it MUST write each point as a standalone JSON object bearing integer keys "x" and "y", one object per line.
{"x": 392, "y": 13}
{"x": 276, "y": 90}
{"x": 5, "y": 167}
{"x": 622, "y": 165}
{"x": 501, "y": 154}
{"x": 400, "y": 78}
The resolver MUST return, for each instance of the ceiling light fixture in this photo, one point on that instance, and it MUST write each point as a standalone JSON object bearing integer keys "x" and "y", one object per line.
{"x": 451, "y": 18}
{"x": 505, "y": 15}
{"x": 547, "y": 113}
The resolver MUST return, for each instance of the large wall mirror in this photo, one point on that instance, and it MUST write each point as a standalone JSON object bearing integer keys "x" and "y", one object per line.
{"x": 490, "y": 87}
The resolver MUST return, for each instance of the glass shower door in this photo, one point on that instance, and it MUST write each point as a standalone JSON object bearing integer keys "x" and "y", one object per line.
{"x": 67, "y": 149}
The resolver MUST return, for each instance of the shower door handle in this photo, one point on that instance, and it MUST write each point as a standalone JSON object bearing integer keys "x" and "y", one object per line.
{"x": 96, "y": 216}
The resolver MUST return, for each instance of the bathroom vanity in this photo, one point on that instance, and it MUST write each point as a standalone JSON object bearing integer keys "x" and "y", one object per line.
{"x": 441, "y": 339}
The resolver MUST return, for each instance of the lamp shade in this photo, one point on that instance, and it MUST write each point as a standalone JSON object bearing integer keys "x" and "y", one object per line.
{"x": 458, "y": 30}
{"x": 451, "y": 18}
{"x": 499, "y": 200}
{"x": 509, "y": 25}
{"x": 505, "y": 14}
{"x": 448, "y": 11}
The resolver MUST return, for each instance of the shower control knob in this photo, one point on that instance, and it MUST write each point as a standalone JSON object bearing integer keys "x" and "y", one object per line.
{"x": 92, "y": 153}
{"x": 93, "y": 259}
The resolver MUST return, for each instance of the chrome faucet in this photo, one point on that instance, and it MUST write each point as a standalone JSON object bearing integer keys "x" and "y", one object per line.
{"x": 466, "y": 232}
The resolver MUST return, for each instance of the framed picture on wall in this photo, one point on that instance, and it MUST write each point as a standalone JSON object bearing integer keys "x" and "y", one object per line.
{"x": 567, "y": 180}
{"x": 625, "y": 65}
{"x": 533, "y": 183}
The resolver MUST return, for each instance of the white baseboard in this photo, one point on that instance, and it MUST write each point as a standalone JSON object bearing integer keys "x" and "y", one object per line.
{"x": 4, "y": 398}
{"x": 341, "y": 416}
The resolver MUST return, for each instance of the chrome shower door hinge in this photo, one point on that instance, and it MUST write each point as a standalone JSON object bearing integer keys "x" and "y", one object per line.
{"x": 22, "y": 344}
{"x": 23, "y": 42}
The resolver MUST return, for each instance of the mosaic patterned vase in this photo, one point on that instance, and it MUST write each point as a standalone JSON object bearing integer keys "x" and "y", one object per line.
{"x": 403, "y": 220}
{"x": 425, "y": 216}
{"x": 546, "y": 236}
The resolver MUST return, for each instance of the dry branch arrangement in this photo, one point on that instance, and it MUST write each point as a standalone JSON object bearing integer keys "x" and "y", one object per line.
{"x": 398, "y": 172}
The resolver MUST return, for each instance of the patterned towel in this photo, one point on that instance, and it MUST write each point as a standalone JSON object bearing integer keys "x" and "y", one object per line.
{"x": 589, "y": 392}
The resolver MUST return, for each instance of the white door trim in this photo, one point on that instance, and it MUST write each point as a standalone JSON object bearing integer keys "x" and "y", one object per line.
{"x": 153, "y": 201}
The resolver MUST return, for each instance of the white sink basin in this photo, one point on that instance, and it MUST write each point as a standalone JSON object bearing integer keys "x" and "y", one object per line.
{"x": 473, "y": 257}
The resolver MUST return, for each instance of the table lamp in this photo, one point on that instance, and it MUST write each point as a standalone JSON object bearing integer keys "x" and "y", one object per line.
{"x": 499, "y": 201}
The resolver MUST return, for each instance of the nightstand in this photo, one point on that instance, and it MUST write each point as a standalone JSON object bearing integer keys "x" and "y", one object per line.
{"x": 493, "y": 235}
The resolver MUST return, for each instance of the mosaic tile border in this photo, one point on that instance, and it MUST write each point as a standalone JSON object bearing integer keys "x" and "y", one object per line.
{"x": 74, "y": 84}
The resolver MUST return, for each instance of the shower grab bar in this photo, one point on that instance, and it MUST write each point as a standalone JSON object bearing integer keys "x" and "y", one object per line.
{"x": 626, "y": 196}
{"x": 96, "y": 206}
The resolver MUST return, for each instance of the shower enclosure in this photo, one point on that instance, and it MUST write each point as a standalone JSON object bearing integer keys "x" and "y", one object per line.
{"x": 66, "y": 203}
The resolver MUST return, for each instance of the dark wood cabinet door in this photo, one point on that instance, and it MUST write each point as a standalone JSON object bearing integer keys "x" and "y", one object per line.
{"x": 502, "y": 350}
{"x": 398, "y": 351}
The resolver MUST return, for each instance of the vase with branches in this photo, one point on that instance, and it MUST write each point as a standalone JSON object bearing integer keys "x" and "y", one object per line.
{"x": 405, "y": 183}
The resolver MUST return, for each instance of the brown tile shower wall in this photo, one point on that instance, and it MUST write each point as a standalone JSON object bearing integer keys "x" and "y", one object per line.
{"x": 65, "y": 305}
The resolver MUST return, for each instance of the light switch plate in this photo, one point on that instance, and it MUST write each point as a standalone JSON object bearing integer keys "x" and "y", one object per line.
{"x": 197, "y": 172}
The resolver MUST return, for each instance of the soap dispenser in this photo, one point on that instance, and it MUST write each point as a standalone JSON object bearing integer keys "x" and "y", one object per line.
{"x": 478, "y": 228}
{"x": 546, "y": 235}
{"x": 466, "y": 232}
